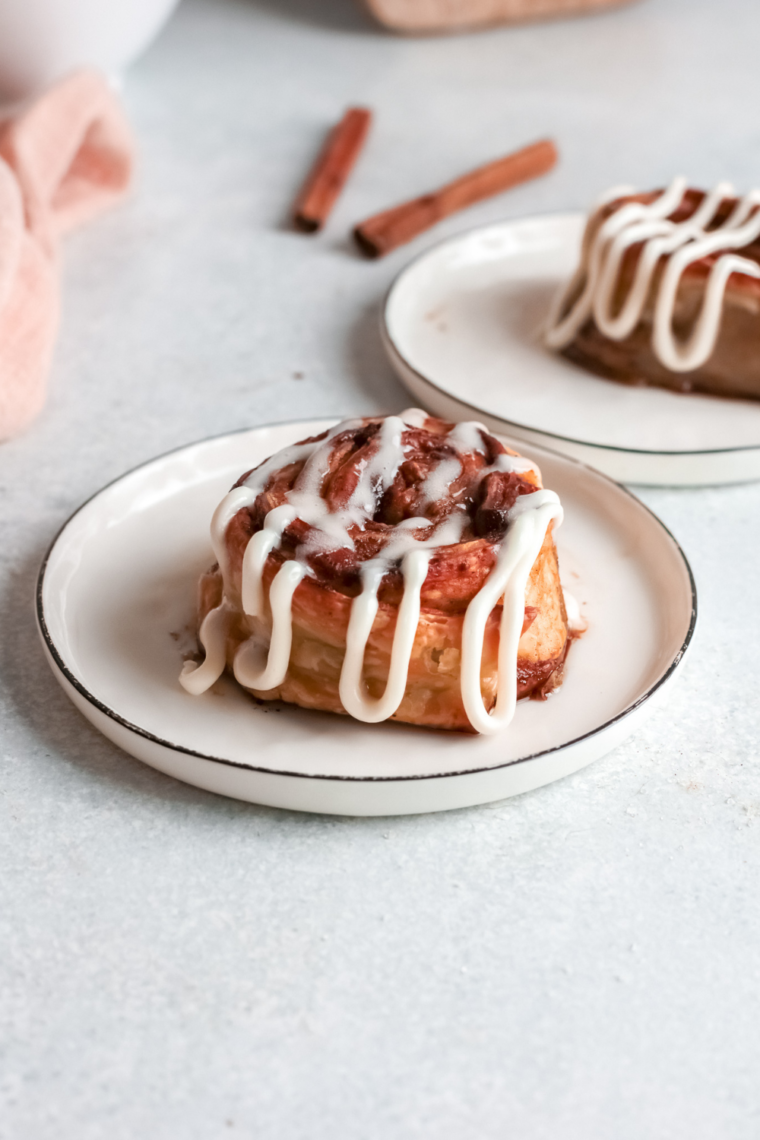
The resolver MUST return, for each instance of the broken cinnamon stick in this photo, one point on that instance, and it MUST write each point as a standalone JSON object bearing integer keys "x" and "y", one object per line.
{"x": 383, "y": 232}
{"x": 329, "y": 173}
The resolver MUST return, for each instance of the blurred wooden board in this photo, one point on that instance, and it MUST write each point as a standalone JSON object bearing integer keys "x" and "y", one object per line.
{"x": 453, "y": 15}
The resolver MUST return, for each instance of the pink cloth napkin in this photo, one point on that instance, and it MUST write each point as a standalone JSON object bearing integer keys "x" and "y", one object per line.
{"x": 62, "y": 160}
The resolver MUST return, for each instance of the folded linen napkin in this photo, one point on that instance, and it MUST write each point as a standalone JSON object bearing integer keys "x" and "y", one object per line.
{"x": 62, "y": 159}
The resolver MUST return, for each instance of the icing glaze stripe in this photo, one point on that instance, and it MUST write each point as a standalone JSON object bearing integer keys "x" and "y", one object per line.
{"x": 261, "y": 662}
{"x": 353, "y": 694}
{"x": 247, "y": 665}
{"x": 508, "y": 579}
{"x": 683, "y": 243}
{"x": 196, "y": 679}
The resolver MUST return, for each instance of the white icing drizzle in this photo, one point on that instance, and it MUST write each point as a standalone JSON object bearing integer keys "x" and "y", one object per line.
{"x": 196, "y": 679}
{"x": 247, "y": 665}
{"x": 353, "y": 695}
{"x": 256, "y": 553}
{"x": 517, "y": 463}
{"x": 414, "y": 417}
{"x": 238, "y": 498}
{"x": 261, "y": 662}
{"x": 440, "y": 479}
{"x": 467, "y": 436}
{"x": 683, "y": 243}
{"x": 509, "y": 578}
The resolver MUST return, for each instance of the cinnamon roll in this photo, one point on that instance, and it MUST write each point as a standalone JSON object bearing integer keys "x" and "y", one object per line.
{"x": 668, "y": 292}
{"x": 392, "y": 567}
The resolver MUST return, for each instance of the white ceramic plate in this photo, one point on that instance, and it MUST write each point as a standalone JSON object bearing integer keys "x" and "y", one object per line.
{"x": 116, "y": 602}
{"x": 463, "y": 326}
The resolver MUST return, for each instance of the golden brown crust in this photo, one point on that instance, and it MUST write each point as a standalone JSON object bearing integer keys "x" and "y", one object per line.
{"x": 433, "y": 696}
{"x": 734, "y": 366}
{"x": 322, "y": 604}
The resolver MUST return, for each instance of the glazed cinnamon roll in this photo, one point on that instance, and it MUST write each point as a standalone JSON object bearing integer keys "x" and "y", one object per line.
{"x": 392, "y": 567}
{"x": 668, "y": 292}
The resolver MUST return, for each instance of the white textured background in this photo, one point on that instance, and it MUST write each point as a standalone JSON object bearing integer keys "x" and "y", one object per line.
{"x": 579, "y": 963}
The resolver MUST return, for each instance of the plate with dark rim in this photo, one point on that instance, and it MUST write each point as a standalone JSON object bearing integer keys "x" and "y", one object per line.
{"x": 464, "y": 323}
{"x": 116, "y": 612}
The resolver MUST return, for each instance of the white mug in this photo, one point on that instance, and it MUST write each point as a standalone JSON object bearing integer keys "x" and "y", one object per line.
{"x": 40, "y": 40}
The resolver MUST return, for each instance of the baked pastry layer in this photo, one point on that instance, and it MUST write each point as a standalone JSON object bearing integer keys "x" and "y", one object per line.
{"x": 444, "y": 482}
{"x": 668, "y": 292}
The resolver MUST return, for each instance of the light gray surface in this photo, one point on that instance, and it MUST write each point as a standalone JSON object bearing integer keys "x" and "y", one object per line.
{"x": 581, "y": 962}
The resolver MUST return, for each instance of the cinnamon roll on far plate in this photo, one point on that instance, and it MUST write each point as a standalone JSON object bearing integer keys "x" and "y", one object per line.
{"x": 393, "y": 567}
{"x": 668, "y": 292}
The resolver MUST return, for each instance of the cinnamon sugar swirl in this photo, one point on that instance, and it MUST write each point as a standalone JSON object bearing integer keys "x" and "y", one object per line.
{"x": 668, "y": 291}
{"x": 392, "y": 567}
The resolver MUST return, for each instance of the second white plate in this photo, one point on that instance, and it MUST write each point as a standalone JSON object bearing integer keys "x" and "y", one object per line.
{"x": 116, "y": 610}
{"x": 463, "y": 327}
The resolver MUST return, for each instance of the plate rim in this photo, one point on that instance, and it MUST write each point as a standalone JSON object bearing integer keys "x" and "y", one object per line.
{"x": 391, "y": 345}
{"x": 153, "y": 738}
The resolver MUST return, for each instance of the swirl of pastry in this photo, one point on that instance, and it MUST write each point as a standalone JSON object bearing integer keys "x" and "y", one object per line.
{"x": 392, "y": 567}
{"x": 667, "y": 291}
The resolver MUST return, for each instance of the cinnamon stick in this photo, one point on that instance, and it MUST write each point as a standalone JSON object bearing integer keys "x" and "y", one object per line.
{"x": 329, "y": 173}
{"x": 383, "y": 232}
